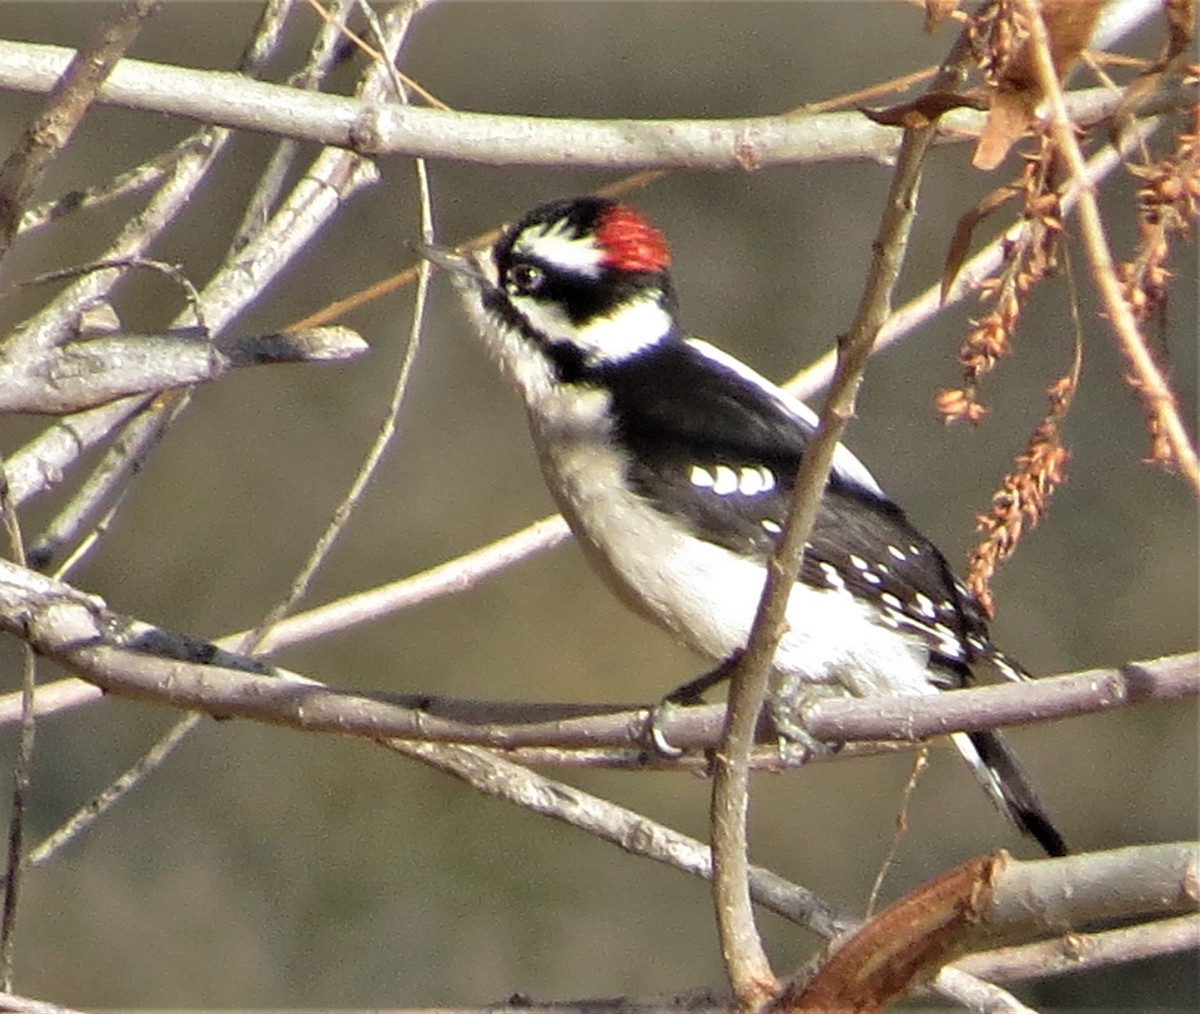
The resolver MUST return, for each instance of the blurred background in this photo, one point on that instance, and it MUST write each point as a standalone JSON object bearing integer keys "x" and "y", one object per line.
{"x": 263, "y": 867}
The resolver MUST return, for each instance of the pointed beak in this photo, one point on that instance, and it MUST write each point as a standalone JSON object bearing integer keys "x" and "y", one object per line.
{"x": 450, "y": 260}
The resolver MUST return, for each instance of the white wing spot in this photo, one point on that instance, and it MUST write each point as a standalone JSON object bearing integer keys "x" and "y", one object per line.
{"x": 701, "y": 477}
{"x": 925, "y": 605}
{"x": 726, "y": 481}
{"x": 915, "y": 550}
{"x": 832, "y": 576}
{"x": 890, "y": 600}
{"x": 771, "y": 526}
{"x": 750, "y": 481}
{"x": 872, "y": 578}
{"x": 858, "y": 562}
{"x": 897, "y": 553}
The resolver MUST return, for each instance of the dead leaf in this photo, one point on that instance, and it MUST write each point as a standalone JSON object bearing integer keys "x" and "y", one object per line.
{"x": 904, "y": 943}
{"x": 960, "y": 242}
{"x": 1005, "y": 124}
{"x": 924, "y": 109}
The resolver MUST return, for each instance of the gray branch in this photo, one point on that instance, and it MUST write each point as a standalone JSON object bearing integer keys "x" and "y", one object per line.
{"x": 92, "y": 372}
{"x": 378, "y": 128}
{"x": 135, "y": 659}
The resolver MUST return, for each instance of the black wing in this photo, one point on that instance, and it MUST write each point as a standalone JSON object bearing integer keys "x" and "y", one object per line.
{"x": 719, "y": 447}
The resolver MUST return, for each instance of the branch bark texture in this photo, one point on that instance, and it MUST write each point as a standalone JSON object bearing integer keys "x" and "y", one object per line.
{"x": 374, "y": 128}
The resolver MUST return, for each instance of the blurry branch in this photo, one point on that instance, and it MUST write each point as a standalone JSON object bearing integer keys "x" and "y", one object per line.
{"x": 1081, "y": 952}
{"x": 1149, "y": 380}
{"x": 372, "y": 128}
{"x": 27, "y": 1005}
{"x": 920, "y": 310}
{"x": 55, "y": 322}
{"x": 500, "y": 778}
{"x": 390, "y": 40}
{"x": 330, "y": 181}
{"x": 22, "y": 762}
{"x": 69, "y": 98}
{"x": 91, "y": 372}
{"x": 135, "y": 659}
{"x": 452, "y": 577}
{"x": 989, "y": 899}
{"x": 976, "y": 994}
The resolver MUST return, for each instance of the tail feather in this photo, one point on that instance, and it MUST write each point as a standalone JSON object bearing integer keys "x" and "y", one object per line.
{"x": 1009, "y": 787}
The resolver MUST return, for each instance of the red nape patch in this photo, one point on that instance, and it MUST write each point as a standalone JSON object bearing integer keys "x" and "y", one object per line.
{"x": 630, "y": 243}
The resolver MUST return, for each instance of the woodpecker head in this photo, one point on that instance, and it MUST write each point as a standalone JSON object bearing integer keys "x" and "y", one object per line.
{"x": 576, "y": 286}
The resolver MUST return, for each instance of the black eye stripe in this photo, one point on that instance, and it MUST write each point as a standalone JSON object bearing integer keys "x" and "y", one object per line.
{"x": 569, "y": 362}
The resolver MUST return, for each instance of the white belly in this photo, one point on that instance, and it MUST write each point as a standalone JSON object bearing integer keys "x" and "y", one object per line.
{"x": 707, "y": 596}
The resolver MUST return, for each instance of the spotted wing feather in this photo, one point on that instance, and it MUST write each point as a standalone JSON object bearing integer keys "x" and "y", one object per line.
{"x": 721, "y": 451}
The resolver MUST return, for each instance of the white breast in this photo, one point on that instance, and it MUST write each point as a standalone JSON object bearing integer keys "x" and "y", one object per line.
{"x": 705, "y": 595}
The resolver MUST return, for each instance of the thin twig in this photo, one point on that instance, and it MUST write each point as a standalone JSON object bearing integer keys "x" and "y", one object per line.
{"x": 976, "y": 994}
{"x": 630, "y": 831}
{"x": 1082, "y": 952}
{"x": 390, "y": 40}
{"x": 322, "y": 54}
{"x": 745, "y": 961}
{"x": 123, "y": 184}
{"x": 68, "y": 101}
{"x": 22, "y": 764}
{"x": 116, "y": 790}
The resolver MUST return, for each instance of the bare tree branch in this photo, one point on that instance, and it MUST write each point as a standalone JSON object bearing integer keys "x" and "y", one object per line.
{"x": 1081, "y": 952}
{"x": 135, "y": 659}
{"x": 84, "y": 374}
{"x": 377, "y": 129}
{"x": 745, "y": 960}
{"x": 70, "y": 96}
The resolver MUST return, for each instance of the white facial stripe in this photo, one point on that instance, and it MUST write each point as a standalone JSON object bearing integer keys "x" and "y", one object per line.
{"x": 630, "y": 328}
{"x": 546, "y": 318}
{"x": 557, "y": 244}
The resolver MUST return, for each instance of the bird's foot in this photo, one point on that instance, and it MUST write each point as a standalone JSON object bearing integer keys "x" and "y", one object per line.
{"x": 785, "y": 706}
{"x": 689, "y": 693}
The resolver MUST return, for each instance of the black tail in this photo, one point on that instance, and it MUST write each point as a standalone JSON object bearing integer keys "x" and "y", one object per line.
{"x": 1009, "y": 786}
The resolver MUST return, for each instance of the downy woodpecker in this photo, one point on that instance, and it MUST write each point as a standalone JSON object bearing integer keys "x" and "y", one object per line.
{"x": 673, "y": 463}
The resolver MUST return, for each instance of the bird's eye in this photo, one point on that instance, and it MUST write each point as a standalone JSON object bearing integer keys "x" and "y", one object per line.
{"x": 525, "y": 279}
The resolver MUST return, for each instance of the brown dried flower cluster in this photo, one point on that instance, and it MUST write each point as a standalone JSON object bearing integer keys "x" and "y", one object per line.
{"x": 1023, "y": 497}
{"x": 1168, "y": 202}
{"x": 1028, "y": 259}
{"x": 997, "y": 33}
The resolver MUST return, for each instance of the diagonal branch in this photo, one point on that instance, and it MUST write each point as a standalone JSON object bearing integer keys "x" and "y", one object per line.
{"x": 69, "y": 99}
{"x": 1152, "y": 385}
